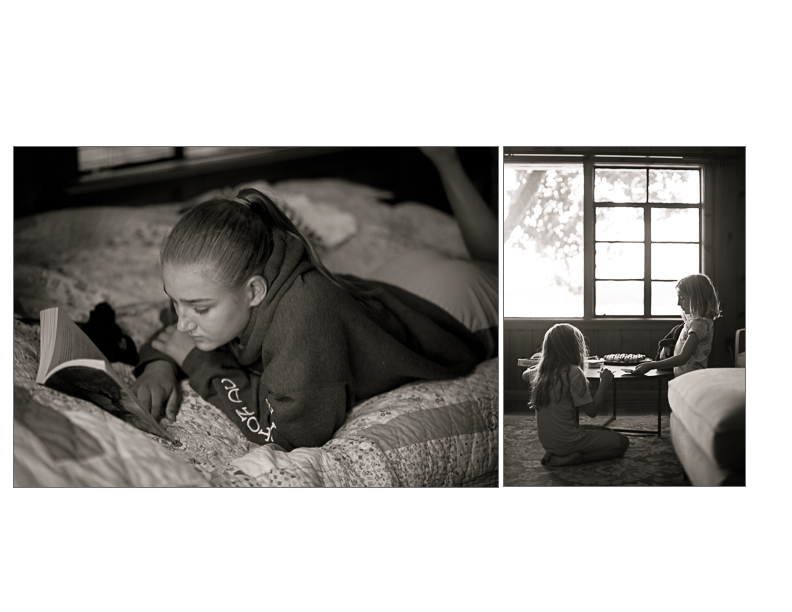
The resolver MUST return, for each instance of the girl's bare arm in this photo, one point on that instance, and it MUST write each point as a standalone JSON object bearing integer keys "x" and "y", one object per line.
{"x": 677, "y": 360}
{"x": 593, "y": 407}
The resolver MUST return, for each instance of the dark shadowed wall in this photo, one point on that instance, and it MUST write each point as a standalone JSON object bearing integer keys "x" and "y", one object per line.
{"x": 46, "y": 178}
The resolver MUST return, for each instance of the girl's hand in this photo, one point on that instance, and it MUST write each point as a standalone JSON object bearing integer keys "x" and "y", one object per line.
{"x": 157, "y": 388}
{"x": 173, "y": 343}
{"x": 606, "y": 377}
{"x": 643, "y": 368}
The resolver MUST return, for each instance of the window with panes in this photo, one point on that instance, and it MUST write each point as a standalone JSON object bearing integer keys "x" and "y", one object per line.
{"x": 588, "y": 238}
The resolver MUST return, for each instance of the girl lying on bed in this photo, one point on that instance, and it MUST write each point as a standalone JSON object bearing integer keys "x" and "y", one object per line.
{"x": 283, "y": 346}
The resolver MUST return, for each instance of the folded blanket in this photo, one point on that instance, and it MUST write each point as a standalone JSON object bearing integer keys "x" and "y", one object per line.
{"x": 665, "y": 348}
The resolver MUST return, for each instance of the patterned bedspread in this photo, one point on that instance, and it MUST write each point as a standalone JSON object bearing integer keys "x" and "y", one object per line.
{"x": 422, "y": 434}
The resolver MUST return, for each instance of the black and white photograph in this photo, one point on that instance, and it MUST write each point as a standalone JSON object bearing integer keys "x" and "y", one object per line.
{"x": 625, "y": 322}
{"x": 291, "y": 316}
{"x": 383, "y": 356}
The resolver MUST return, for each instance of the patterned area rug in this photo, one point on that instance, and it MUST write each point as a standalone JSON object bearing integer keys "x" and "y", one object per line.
{"x": 650, "y": 461}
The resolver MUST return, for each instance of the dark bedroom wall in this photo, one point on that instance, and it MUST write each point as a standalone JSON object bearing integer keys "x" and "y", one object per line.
{"x": 42, "y": 176}
{"x": 47, "y": 178}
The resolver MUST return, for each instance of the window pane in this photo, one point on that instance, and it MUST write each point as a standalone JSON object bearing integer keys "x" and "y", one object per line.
{"x": 543, "y": 241}
{"x": 96, "y": 158}
{"x": 675, "y": 225}
{"x": 674, "y": 186}
{"x": 619, "y": 298}
{"x": 673, "y": 261}
{"x": 191, "y": 152}
{"x": 664, "y": 299}
{"x": 619, "y": 224}
{"x": 619, "y": 260}
{"x": 619, "y": 186}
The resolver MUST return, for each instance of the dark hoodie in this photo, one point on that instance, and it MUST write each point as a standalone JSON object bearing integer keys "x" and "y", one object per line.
{"x": 311, "y": 351}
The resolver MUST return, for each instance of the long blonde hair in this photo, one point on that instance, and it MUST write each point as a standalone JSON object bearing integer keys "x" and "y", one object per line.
{"x": 703, "y": 296}
{"x": 563, "y": 345}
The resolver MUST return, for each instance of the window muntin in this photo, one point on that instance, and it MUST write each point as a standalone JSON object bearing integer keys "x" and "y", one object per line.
{"x": 663, "y": 251}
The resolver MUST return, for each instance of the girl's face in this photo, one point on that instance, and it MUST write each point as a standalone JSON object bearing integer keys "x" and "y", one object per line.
{"x": 683, "y": 301}
{"x": 210, "y": 313}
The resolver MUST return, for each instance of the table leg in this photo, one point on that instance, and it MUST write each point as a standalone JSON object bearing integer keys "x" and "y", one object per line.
{"x": 659, "y": 406}
{"x": 644, "y": 432}
{"x": 613, "y": 416}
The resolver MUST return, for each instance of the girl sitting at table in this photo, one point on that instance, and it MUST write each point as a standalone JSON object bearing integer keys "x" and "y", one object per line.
{"x": 697, "y": 297}
{"x": 558, "y": 386}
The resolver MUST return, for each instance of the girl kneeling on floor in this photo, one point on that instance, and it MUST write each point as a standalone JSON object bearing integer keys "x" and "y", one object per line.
{"x": 558, "y": 386}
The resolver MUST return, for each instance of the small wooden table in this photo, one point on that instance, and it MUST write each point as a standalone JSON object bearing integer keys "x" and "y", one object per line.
{"x": 618, "y": 375}
{"x": 593, "y": 373}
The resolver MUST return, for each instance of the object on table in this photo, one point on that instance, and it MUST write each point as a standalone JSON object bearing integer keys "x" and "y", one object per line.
{"x": 625, "y": 358}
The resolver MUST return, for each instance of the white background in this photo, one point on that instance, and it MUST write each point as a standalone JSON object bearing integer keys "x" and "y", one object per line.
{"x": 414, "y": 73}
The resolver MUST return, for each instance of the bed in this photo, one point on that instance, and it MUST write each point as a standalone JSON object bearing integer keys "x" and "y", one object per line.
{"x": 442, "y": 433}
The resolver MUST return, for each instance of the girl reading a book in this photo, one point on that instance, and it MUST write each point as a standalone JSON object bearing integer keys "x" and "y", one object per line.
{"x": 285, "y": 347}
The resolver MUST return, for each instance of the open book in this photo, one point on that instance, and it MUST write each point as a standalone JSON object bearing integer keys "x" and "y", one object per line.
{"x": 72, "y": 364}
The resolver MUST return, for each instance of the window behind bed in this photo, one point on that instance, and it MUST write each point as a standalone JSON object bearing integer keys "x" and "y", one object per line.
{"x": 93, "y": 159}
{"x": 592, "y": 236}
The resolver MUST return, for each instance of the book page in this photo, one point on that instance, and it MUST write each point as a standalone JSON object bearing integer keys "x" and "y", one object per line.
{"x": 71, "y": 363}
{"x": 62, "y": 341}
{"x": 74, "y": 344}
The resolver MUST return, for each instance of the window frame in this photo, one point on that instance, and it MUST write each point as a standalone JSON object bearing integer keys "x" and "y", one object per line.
{"x": 592, "y": 162}
{"x": 178, "y": 154}
{"x": 175, "y": 154}
{"x": 647, "y": 207}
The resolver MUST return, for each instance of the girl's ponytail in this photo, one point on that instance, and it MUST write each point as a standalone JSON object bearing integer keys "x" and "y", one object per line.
{"x": 273, "y": 217}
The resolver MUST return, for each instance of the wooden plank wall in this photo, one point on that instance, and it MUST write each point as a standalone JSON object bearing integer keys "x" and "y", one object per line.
{"x": 523, "y": 337}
